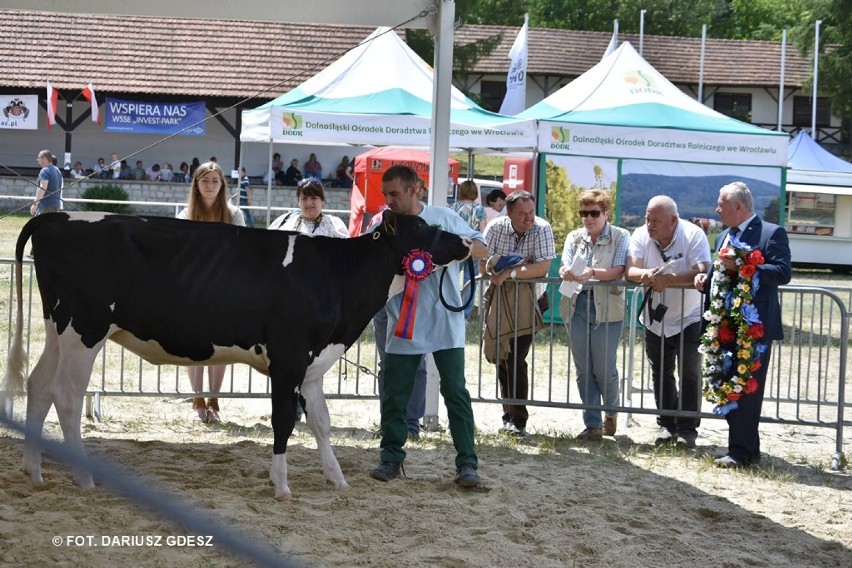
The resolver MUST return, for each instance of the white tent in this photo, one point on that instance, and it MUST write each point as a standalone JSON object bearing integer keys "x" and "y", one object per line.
{"x": 379, "y": 93}
{"x": 624, "y": 108}
{"x": 819, "y": 206}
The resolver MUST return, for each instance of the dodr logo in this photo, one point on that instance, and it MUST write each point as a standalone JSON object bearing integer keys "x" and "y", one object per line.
{"x": 560, "y": 134}
{"x": 292, "y": 121}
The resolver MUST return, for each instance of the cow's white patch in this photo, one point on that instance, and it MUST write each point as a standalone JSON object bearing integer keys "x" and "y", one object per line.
{"x": 290, "y": 246}
{"x": 88, "y": 216}
{"x": 324, "y": 361}
{"x": 397, "y": 285}
{"x": 153, "y": 352}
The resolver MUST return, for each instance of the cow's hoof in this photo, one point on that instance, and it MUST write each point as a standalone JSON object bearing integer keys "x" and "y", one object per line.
{"x": 87, "y": 490}
{"x": 340, "y": 486}
{"x": 35, "y": 480}
{"x": 284, "y": 497}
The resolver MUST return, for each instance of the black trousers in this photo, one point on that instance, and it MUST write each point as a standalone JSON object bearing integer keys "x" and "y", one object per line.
{"x": 680, "y": 351}
{"x": 514, "y": 380}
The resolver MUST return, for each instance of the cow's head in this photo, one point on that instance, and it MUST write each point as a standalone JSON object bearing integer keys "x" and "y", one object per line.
{"x": 404, "y": 233}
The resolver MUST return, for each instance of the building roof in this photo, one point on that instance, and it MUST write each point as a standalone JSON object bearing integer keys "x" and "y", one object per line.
{"x": 570, "y": 53}
{"x": 217, "y": 58}
{"x": 130, "y": 54}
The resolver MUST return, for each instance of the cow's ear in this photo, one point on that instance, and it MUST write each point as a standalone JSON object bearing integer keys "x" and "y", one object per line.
{"x": 389, "y": 221}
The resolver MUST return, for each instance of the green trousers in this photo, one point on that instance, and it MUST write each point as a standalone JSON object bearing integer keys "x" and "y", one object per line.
{"x": 399, "y": 381}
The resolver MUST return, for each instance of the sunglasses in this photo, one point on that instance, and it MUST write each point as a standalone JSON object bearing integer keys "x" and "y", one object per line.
{"x": 309, "y": 182}
{"x": 594, "y": 214}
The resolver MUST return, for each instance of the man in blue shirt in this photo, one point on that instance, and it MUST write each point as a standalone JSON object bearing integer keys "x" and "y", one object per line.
{"x": 49, "y": 194}
{"x": 438, "y": 331}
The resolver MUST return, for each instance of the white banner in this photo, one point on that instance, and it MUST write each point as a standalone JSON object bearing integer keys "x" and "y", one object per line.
{"x": 261, "y": 125}
{"x": 516, "y": 80}
{"x": 661, "y": 144}
{"x": 20, "y": 112}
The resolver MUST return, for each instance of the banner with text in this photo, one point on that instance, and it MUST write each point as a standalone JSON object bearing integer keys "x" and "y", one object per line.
{"x": 261, "y": 125}
{"x": 20, "y": 112}
{"x": 155, "y": 118}
{"x": 661, "y": 144}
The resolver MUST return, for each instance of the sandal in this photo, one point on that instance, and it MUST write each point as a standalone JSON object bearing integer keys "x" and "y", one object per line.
{"x": 200, "y": 410}
{"x": 213, "y": 411}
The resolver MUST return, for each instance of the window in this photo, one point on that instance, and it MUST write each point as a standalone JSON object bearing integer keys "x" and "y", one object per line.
{"x": 803, "y": 111}
{"x": 491, "y": 94}
{"x": 735, "y": 105}
{"x": 811, "y": 213}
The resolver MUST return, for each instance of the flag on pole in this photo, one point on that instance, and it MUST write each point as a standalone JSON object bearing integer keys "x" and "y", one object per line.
{"x": 52, "y": 103}
{"x": 89, "y": 93}
{"x": 516, "y": 81}
{"x": 613, "y": 42}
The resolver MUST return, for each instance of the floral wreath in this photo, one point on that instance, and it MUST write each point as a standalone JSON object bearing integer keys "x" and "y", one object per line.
{"x": 731, "y": 342}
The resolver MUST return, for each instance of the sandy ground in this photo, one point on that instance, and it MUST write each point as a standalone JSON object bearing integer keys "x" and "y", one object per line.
{"x": 547, "y": 500}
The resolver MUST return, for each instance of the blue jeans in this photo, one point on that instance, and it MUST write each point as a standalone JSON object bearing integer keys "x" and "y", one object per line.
{"x": 594, "y": 347}
{"x": 248, "y": 217}
{"x": 416, "y": 408}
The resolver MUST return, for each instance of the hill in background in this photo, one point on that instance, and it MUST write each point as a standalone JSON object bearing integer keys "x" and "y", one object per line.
{"x": 695, "y": 196}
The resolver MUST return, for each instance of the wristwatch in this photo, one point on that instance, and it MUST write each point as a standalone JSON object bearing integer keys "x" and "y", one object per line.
{"x": 514, "y": 273}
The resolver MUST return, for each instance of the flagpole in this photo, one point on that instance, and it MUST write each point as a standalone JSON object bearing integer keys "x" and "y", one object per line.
{"x": 816, "y": 79}
{"x": 641, "y": 30}
{"x": 781, "y": 84}
{"x": 701, "y": 65}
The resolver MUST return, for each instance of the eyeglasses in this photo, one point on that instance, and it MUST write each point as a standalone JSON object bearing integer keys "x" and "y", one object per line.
{"x": 594, "y": 213}
{"x": 313, "y": 182}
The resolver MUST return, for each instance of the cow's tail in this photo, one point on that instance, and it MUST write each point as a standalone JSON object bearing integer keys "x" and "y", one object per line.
{"x": 13, "y": 380}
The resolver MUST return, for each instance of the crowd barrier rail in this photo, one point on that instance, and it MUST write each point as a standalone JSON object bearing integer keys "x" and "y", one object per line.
{"x": 805, "y": 382}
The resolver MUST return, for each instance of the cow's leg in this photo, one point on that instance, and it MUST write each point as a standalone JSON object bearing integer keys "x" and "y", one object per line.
{"x": 283, "y": 422}
{"x": 69, "y": 389}
{"x": 320, "y": 424}
{"x": 39, "y": 400}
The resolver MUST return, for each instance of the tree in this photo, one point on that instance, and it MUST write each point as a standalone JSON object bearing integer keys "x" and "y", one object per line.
{"x": 835, "y": 53}
{"x": 772, "y": 212}
{"x": 561, "y": 203}
{"x": 760, "y": 19}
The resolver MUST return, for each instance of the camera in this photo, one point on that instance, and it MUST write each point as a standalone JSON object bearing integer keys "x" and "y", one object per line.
{"x": 658, "y": 312}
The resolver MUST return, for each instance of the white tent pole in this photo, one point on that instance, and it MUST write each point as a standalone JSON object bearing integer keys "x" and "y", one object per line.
{"x": 816, "y": 80}
{"x": 269, "y": 186}
{"x": 641, "y": 30}
{"x": 701, "y": 64}
{"x": 781, "y": 84}
{"x": 440, "y": 142}
{"x": 440, "y": 137}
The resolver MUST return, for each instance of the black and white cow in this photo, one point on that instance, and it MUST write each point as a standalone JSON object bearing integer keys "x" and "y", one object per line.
{"x": 187, "y": 293}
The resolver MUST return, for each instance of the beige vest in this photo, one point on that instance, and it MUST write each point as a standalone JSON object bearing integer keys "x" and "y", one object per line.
{"x": 608, "y": 299}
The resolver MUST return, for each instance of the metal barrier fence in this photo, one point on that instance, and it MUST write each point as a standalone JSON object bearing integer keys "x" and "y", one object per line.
{"x": 805, "y": 382}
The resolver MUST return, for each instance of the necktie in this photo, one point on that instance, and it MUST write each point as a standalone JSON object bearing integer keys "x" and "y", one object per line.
{"x": 734, "y": 231}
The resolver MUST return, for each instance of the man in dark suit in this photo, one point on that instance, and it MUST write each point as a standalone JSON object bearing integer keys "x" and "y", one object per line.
{"x": 735, "y": 207}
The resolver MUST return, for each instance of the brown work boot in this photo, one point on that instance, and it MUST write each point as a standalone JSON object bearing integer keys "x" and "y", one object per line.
{"x": 610, "y": 424}
{"x": 590, "y": 434}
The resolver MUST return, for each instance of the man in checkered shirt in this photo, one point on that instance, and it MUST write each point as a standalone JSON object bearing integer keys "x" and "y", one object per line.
{"x": 523, "y": 233}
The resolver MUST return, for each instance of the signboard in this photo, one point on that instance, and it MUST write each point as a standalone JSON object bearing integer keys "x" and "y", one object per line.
{"x": 19, "y": 112}
{"x": 140, "y": 117}
{"x": 261, "y": 125}
{"x": 661, "y": 144}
